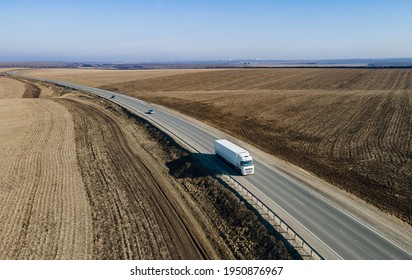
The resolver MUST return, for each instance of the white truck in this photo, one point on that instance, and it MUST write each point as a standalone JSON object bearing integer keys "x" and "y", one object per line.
{"x": 235, "y": 156}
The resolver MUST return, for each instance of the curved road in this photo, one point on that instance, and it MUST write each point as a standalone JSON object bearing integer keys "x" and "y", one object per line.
{"x": 334, "y": 233}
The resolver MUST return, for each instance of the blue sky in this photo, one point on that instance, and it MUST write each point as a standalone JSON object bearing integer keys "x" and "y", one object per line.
{"x": 137, "y": 31}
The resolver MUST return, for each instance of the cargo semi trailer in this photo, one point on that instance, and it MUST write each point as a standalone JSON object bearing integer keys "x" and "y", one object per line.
{"x": 237, "y": 157}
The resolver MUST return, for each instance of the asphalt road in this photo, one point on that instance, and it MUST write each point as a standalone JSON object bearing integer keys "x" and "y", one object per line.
{"x": 333, "y": 233}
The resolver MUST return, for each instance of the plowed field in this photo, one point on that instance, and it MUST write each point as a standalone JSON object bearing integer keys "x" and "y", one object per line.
{"x": 352, "y": 127}
{"x": 44, "y": 211}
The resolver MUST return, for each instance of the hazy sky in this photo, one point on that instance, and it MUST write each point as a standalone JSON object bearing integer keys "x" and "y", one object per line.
{"x": 136, "y": 31}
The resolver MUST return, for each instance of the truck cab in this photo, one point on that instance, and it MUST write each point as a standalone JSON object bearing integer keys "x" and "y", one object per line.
{"x": 245, "y": 164}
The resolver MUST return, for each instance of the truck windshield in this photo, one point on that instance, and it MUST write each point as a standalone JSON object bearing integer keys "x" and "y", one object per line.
{"x": 246, "y": 163}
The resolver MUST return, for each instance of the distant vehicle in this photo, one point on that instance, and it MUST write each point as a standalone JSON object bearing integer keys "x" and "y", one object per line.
{"x": 150, "y": 111}
{"x": 113, "y": 96}
{"x": 237, "y": 157}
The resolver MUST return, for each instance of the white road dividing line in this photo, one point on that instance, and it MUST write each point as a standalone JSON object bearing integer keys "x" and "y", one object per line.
{"x": 299, "y": 201}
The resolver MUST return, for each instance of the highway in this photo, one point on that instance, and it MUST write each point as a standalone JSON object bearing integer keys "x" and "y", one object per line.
{"x": 333, "y": 233}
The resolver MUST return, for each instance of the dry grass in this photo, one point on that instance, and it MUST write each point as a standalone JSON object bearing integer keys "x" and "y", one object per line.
{"x": 350, "y": 126}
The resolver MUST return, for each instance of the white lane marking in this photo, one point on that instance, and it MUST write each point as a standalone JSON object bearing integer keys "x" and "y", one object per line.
{"x": 345, "y": 233}
{"x": 299, "y": 201}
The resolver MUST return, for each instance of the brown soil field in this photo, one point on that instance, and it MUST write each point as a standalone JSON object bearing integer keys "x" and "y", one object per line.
{"x": 351, "y": 127}
{"x": 43, "y": 205}
{"x": 75, "y": 184}
{"x": 97, "y": 78}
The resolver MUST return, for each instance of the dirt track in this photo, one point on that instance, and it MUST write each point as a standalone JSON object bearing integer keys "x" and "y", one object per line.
{"x": 132, "y": 216}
